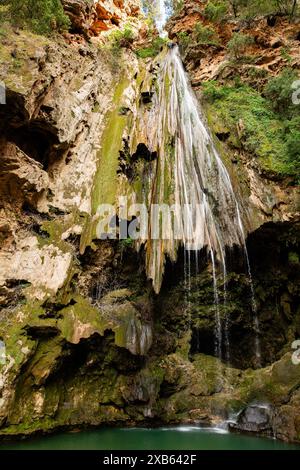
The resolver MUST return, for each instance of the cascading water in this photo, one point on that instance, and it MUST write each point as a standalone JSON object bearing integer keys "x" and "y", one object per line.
{"x": 161, "y": 17}
{"x": 190, "y": 176}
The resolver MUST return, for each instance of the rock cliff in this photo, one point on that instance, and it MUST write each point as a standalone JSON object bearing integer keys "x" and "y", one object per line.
{"x": 87, "y": 341}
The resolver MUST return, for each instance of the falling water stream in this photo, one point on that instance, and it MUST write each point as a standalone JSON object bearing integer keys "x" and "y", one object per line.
{"x": 191, "y": 175}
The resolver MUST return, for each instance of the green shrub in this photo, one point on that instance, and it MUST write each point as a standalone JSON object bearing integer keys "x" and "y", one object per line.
{"x": 264, "y": 134}
{"x": 205, "y": 35}
{"x": 212, "y": 91}
{"x": 41, "y": 16}
{"x": 284, "y": 52}
{"x": 250, "y": 9}
{"x": 128, "y": 33}
{"x": 152, "y": 50}
{"x": 215, "y": 11}
{"x": 279, "y": 93}
{"x": 123, "y": 37}
{"x": 293, "y": 143}
{"x": 126, "y": 243}
{"x": 184, "y": 39}
{"x": 238, "y": 44}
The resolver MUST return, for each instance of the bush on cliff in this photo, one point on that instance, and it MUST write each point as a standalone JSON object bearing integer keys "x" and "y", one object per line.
{"x": 238, "y": 45}
{"x": 254, "y": 125}
{"x": 279, "y": 92}
{"x": 41, "y": 16}
{"x": 253, "y": 8}
{"x": 205, "y": 35}
{"x": 215, "y": 11}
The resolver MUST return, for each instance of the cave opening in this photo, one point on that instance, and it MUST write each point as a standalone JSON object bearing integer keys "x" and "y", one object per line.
{"x": 35, "y": 141}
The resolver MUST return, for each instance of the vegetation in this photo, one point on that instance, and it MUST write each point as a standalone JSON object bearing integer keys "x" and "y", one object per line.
{"x": 122, "y": 38}
{"x": 205, "y": 34}
{"x": 184, "y": 39}
{"x": 279, "y": 91}
{"x": 215, "y": 11}
{"x": 175, "y": 5}
{"x": 238, "y": 45}
{"x": 152, "y": 50}
{"x": 118, "y": 39}
{"x": 40, "y": 16}
{"x": 253, "y": 8}
{"x": 266, "y": 126}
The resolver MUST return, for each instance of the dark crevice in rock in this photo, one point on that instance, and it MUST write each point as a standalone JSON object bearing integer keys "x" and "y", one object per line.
{"x": 31, "y": 211}
{"x": 38, "y": 332}
{"x": 11, "y": 295}
{"x": 52, "y": 310}
{"x": 127, "y": 162}
{"x": 35, "y": 141}
{"x": 146, "y": 97}
{"x": 142, "y": 152}
{"x": 223, "y": 136}
{"x": 36, "y": 228}
{"x": 274, "y": 256}
{"x": 271, "y": 21}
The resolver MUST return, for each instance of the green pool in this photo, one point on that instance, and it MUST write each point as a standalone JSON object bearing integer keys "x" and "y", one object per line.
{"x": 176, "y": 438}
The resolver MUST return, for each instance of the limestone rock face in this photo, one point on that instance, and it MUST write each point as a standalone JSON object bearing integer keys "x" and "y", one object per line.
{"x": 86, "y": 340}
{"x": 45, "y": 268}
{"x": 21, "y": 177}
{"x": 92, "y": 17}
{"x": 82, "y": 14}
{"x": 48, "y": 155}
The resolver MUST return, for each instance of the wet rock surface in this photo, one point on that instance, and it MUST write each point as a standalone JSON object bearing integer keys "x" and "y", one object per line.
{"x": 87, "y": 341}
{"x": 254, "y": 419}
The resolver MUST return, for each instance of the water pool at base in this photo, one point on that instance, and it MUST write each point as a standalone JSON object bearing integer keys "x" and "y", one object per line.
{"x": 176, "y": 438}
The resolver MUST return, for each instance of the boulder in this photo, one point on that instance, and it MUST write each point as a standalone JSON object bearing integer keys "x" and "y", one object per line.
{"x": 254, "y": 419}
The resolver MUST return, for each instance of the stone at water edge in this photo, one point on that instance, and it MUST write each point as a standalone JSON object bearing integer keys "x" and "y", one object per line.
{"x": 255, "y": 419}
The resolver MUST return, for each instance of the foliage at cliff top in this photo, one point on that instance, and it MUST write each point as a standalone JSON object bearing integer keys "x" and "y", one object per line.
{"x": 41, "y": 16}
{"x": 217, "y": 10}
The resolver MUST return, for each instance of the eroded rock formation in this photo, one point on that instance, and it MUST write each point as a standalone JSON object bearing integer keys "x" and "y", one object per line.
{"x": 92, "y": 17}
{"x": 87, "y": 340}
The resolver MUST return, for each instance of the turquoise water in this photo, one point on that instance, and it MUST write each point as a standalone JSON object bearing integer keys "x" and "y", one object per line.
{"x": 179, "y": 438}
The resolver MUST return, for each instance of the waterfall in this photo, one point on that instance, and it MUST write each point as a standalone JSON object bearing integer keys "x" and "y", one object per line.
{"x": 161, "y": 17}
{"x": 191, "y": 174}
{"x": 190, "y": 177}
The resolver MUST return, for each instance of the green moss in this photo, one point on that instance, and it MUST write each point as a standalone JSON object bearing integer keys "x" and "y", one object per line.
{"x": 293, "y": 257}
{"x": 250, "y": 123}
{"x": 81, "y": 320}
{"x": 88, "y": 233}
{"x": 106, "y": 179}
{"x": 18, "y": 72}
{"x": 46, "y": 359}
{"x": 27, "y": 428}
